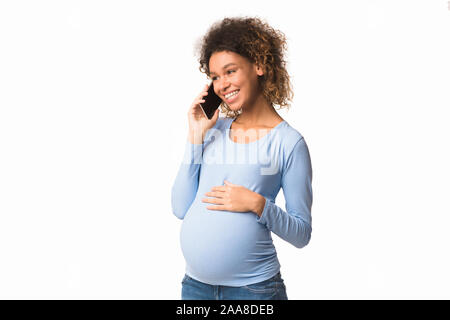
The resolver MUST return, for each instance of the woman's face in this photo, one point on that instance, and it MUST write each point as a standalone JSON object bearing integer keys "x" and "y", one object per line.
{"x": 233, "y": 73}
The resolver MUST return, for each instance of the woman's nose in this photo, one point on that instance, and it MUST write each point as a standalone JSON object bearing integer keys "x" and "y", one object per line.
{"x": 224, "y": 84}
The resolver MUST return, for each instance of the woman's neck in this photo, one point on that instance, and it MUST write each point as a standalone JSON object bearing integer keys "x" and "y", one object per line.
{"x": 260, "y": 114}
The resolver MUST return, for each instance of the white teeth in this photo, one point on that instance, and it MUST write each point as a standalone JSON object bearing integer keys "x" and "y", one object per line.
{"x": 231, "y": 94}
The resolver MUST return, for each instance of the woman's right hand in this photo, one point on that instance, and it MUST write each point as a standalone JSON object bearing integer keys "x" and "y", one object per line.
{"x": 199, "y": 124}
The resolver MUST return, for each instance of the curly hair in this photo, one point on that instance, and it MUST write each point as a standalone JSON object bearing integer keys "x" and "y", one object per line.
{"x": 255, "y": 40}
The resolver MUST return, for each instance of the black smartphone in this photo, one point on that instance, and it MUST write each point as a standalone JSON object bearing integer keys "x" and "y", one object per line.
{"x": 212, "y": 102}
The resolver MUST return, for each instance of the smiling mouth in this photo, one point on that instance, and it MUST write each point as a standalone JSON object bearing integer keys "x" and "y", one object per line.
{"x": 232, "y": 96}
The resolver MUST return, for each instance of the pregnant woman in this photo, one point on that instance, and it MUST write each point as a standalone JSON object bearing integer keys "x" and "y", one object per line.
{"x": 234, "y": 167}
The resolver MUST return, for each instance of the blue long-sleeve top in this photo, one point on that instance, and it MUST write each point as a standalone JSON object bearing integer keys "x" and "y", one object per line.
{"x": 236, "y": 248}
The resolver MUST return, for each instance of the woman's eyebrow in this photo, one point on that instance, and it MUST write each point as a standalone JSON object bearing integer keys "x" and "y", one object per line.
{"x": 227, "y": 65}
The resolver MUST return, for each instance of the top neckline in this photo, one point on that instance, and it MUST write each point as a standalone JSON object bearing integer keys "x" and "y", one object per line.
{"x": 258, "y": 140}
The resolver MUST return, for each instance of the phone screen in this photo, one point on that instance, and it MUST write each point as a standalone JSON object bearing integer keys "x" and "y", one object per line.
{"x": 212, "y": 102}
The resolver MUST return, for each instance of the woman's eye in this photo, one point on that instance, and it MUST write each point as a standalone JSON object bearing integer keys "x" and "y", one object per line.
{"x": 215, "y": 78}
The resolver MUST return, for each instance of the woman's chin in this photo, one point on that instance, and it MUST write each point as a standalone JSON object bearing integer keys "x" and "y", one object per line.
{"x": 234, "y": 107}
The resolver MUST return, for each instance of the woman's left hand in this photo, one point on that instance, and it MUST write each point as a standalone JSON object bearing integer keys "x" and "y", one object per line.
{"x": 233, "y": 197}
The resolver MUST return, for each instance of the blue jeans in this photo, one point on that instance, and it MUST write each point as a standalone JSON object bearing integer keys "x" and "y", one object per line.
{"x": 270, "y": 289}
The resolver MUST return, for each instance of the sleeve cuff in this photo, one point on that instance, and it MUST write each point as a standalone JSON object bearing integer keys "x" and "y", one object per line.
{"x": 262, "y": 218}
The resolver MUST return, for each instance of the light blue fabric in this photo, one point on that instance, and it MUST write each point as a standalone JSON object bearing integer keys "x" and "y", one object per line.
{"x": 236, "y": 248}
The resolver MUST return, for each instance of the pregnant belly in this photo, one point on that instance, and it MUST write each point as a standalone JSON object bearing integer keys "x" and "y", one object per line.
{"x": 218, "y": 245}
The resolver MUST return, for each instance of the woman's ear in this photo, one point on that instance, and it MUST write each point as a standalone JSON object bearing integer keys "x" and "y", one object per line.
{"x": 259, "y": 70}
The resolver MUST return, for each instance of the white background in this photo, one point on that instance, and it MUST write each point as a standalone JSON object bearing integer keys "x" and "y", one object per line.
{"x": 93, "y": 120}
